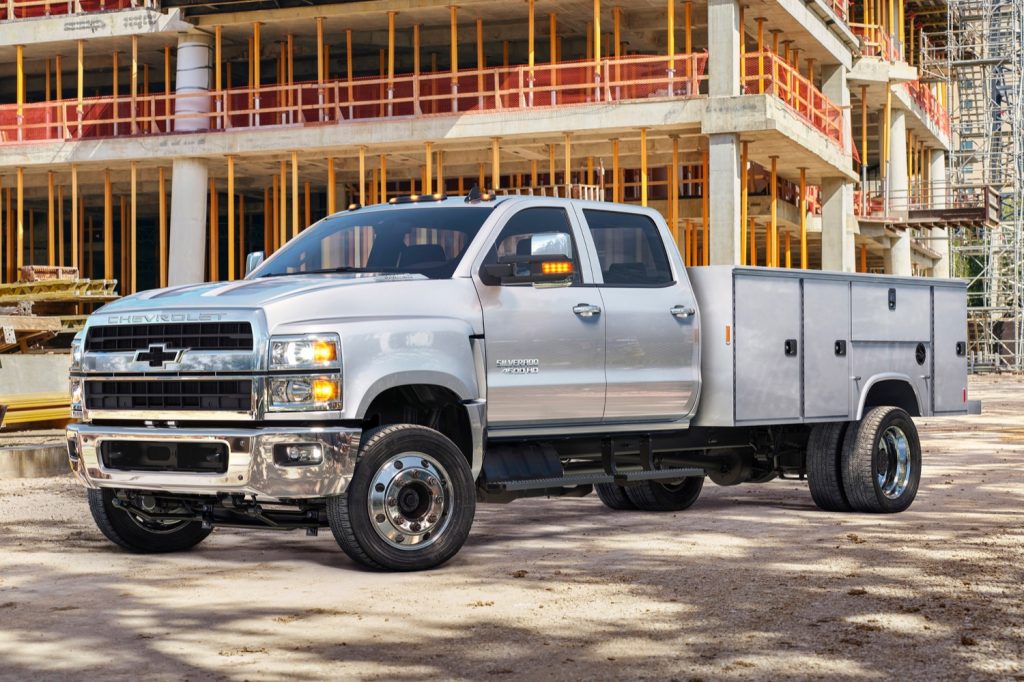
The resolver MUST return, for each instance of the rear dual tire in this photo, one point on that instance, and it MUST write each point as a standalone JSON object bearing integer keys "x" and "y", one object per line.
{"x": 656, "y": 496}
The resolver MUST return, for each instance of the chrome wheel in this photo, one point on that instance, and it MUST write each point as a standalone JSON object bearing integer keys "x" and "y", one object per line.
{"x": 893, "y": 468}
{"x": 410, "y": 500}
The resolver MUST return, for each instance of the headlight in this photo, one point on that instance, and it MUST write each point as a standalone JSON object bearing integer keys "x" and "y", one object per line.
{"x": 76, "y": 352}
{"x": 312, "y": 351}
{"x": 289, "y": 393}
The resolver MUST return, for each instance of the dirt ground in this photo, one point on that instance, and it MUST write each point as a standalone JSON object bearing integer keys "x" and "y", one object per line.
{"x": 753, "y": 582}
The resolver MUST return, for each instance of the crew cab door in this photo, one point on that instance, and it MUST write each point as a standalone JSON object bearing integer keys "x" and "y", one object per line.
{"x": 652, "y": 364}
{"x": 544, "y": 343}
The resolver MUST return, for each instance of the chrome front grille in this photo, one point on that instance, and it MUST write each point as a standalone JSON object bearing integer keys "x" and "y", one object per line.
{"x": 170, "y": 395}
{"x": 195, "y": 336}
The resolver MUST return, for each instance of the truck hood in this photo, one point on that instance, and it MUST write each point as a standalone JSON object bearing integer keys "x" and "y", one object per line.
{"x": 304, "y": 298}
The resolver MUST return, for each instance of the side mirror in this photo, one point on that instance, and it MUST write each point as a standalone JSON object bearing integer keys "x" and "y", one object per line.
{"x": 253, "y": 261}
{"x": 549, "y": 262}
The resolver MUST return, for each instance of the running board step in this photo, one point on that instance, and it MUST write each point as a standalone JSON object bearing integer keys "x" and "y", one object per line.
{"x": 594, "y": 478}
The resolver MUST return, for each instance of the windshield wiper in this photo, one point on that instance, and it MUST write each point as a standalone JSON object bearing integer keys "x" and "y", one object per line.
{"x": 343, "y": 268}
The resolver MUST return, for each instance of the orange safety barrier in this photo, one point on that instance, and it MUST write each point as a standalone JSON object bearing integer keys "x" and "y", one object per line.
{"x": 841, "y": 8}
{"x": 560, "y": 84}
{"x": 766, "y": 72}
{"x": 24, "y": 9}
{"x": 926, "y": 99}
{"x": 875, "y": 42}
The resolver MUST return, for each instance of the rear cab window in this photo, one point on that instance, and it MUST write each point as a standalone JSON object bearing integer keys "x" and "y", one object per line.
{"x": 630, "y": 249}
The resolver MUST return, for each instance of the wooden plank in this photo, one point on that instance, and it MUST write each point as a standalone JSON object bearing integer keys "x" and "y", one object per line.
{"x": 31, "y": 323}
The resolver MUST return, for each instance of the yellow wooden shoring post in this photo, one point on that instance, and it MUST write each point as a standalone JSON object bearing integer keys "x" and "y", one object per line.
{"x": 616, "y": 188}
{"x": 440, "y": 188}
{"x": 597, "y": 40}
{"x": 50, "y": 238}
{"x": 133, "y": 261}
{"x": 416, "y": 67}
{"x": 20, "y": 85}
{"x": 282, "y": 218}
{"x": 590, "y": 170}
{"x": 533, "y": 173}
{"x": 268, "y": 213}
{"x": 249, "y": 75}
{"x": 362, "y": 176}
{"x": 705, "y": 207}
{"x": 80, "y": 107}
{"x": 789, "y": 255}
{"x": 744, "y": 194}
{"x": 332, "y": 192}
{"x": 167, "y": 87}
{"x": 162, "y": 224}
{"x": 482, "y": 179}
{"x": 114, "y": 89}
{"x": 60, "y": 226}
{"x": 391, "y": 53}
{"x": 58, "y": 75}
{"x": 454, "y": 39}
{"x": 670, "y": 22}
{"x": 74, "y": 216}
{"x": 383, "y": 184}
{"x": 551, "y": 165}
{"x": 307, "y": 214}
{"x": 295, "y": 194}
{"x": 753, "y": 241}
{"x": 293, "y": 95}
{"x": 863, "y": 258}
{"x": 275, "y": 182}
{"x": 495, "y": 164}
{"x": 643, "y": 167}
{"x": 428, "y": 153}
{"x": 135, "y": 84}
{"x": 617, "y": 40}
{"x": 256, "y": 68}
{"x": 348, "y": 67}
{"x": 240, "y": 263}
{"x": 688, "y": 26}
{"x": 481, "y": 63}
{"x": 673, "y": 191}
{"x": 320, "y": 50}
{"x": 108, "y": 226}
{"x": 773, "y": 240}
{"x": 803, "y": 218}
{"x": 901, "y": 28}
{"x": 531, "y": 46}
{"x": 230, "y": 198}
{"x": 568, "y": 161}
{"x": 760, "y": 54}
{"x": 553, "y": 52}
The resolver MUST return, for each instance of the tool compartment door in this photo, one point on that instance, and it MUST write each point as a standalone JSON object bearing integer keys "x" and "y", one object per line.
{"x": 767, "y": 348}
{"x": 827, "y": 347}
{"x": 949, "y": 351}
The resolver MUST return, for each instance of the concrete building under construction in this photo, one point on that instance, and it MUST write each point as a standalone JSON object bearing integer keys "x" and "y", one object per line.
{"x": 158, "y": 143}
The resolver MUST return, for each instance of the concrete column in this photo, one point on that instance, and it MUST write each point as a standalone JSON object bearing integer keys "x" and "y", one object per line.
{"x": 898, "y": 261}
{"x": 724, "y": 48}
{"x": 192, "y": 83}
{"x": 939, "y": 235}
{"x": 187, "y": 259}
{"x": 833, "y": 86}
{"x": 837, "y": 242}
{"x": 724, "y": 198}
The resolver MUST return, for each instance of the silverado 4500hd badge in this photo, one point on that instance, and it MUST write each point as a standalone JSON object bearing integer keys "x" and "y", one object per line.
{"x": 519, "y": 366}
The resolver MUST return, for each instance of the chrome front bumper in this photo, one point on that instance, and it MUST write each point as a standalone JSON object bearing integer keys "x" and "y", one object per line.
{"x": 251, "y": 468}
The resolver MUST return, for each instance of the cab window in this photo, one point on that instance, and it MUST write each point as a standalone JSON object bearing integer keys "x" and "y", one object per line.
{"x": 516, "y": 235}
{"x": 629, "y": 249}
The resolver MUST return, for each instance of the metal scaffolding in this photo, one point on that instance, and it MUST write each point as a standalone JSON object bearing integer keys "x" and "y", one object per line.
{"x": 982, "y": 69}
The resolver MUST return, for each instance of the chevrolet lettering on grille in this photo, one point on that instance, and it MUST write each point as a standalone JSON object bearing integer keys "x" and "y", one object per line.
{"x": 158, "y": 354}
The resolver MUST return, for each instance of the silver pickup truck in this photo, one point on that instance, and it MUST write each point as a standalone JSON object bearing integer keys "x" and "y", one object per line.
{"x": 392, "y": 366}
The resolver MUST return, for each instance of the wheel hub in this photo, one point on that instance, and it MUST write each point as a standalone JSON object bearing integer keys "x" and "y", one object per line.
{"x": 893, "y": 467}
{"x": 410, "y": 500}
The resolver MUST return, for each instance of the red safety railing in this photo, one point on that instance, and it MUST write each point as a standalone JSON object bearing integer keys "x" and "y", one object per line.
{"x": 335, "y": 101}
{"x": 25, "y": 9}
{"x": 840, "y": 7}
{"x": 922, "y": 95}
{"x": 875, "y": 42}
{"x": 767, "y": 73}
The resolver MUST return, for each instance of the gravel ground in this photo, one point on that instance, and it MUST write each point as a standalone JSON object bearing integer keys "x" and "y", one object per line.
{"x": 753, "y": 582}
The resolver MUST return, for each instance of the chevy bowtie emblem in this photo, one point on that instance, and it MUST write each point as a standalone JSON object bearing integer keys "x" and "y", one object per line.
{"x": 158, "y": 354}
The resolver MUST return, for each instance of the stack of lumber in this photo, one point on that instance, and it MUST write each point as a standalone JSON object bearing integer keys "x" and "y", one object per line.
{"x": 27, "y": 408}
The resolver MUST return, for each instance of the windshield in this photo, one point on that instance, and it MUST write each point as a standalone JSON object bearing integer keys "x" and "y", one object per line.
{"x": 428, "y": 241}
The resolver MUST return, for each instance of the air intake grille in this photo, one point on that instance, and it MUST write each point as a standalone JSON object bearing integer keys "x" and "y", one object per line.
{"x": 190, "y": 335}
{"x": 230, "y": 395}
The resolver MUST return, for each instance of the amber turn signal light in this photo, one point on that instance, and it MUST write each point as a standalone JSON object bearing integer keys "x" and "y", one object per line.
{"x": 563, "y": 267}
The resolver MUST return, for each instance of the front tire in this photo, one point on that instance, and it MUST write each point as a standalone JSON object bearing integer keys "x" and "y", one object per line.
{"x": 663, "y": 497}
{"x": 136, "y": 534}
{"x": 882, "y": 461}
{"x": 410, "y": 504}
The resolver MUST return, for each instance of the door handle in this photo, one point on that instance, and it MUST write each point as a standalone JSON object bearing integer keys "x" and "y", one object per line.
{"x": 586, "y": 310}
{"x": 682, "y": 312}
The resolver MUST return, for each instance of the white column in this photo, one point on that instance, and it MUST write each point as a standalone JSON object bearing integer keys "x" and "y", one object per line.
{"x": 899, "y": 255}
{"x": 940, "y": 235}
{"x": 187, "y": 258}
{"x": 192, "y": 83}
{"x": 837, "y": 240}
{"x": 724, "y": 48}
{"x": 724, "y": 198}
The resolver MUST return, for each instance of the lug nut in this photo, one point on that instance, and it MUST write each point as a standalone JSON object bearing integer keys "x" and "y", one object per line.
{"x": 425, "y": 464}
{"x": 432, "y": 518}
{"x": 439, "y": 499}
{"x": 415, "y": 528}
{"x": 399, "y": 538}
{"x": 392, "y": 502}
